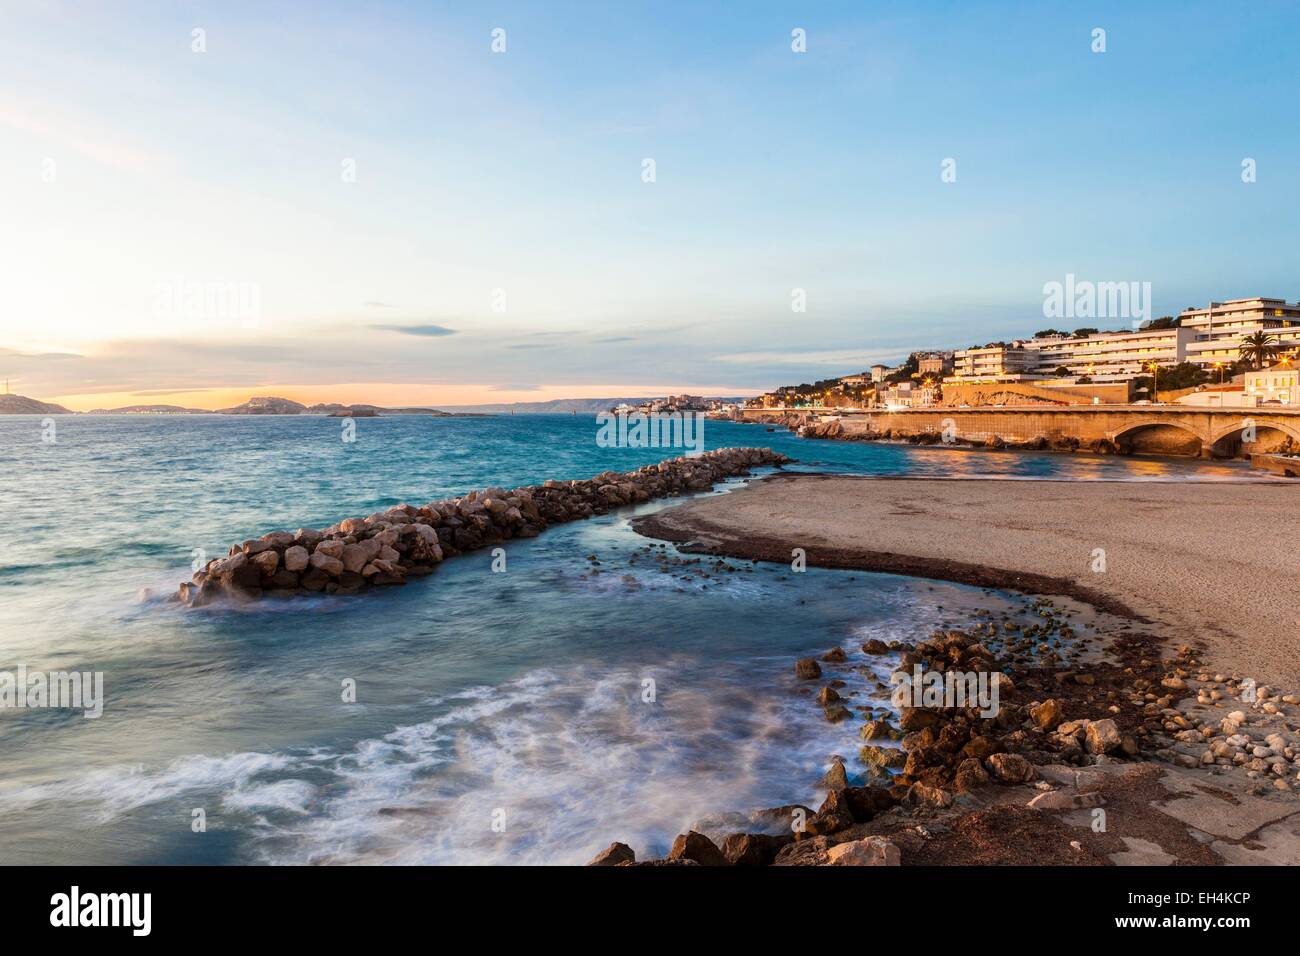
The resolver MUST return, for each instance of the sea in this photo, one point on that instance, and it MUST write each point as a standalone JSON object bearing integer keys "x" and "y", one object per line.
{"x": 587, "y": 686}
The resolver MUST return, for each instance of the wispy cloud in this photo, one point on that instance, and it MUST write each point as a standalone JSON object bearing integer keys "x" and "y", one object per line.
{"x": 425, "y": 330}
{"x": 826, "y": 357}
{"x": 38, "y": 121}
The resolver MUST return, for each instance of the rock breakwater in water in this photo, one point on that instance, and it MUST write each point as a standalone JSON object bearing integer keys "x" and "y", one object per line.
{"x": 404, "y": 541}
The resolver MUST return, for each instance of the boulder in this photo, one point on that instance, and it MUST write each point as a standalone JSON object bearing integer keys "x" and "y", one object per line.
{"x": 891, "y": 758}
{"x": 283, "y": 580}
{"x": 836, "y": 712}
{"x": 811, "y": 852}
{"x": 296, "y": 558}
{"x": 924, "y": 795}
{"x": 613, "y": 855}
{"x": 324, "y": 562}
{"x": 1102, "y": 736}
{"x": 1047, "y": 715}
{"x": 832, "y": 816}
{"x": 807, "y": 669}
{"x": 875, "y": 646}
{"x": 914, "y": 718}
{"x": 970, "y": 775}
{"x": 355, "y": 557}
{"x": 1010, "y": 768}
{"x": 315, "y": 580}
{"x": 878, "y": 730}
{"x": 836, "y": 777}
{"x": 267, "y": 562}
{"x": 919, "y": 739}
{"x": 981, "y": 747}
{"x": 697, "y": 847}
{"x": 827, "y": 695}
{"x": 873, "y": 851}
{"x": 753, "y": 849}
{"x": 330, "y": 548}
{"x": 866, "y": 802}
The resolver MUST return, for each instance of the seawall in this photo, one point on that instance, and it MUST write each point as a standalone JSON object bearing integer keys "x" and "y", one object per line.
{"x": 1115, "y": 429}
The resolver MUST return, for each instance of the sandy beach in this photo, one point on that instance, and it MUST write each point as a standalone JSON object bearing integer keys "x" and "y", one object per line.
{"x": 1209, "y": 563}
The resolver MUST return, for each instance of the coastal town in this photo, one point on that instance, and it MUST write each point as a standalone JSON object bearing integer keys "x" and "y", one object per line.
{"x": 1241, "y": 353}
{"x": 1219, "y": 382}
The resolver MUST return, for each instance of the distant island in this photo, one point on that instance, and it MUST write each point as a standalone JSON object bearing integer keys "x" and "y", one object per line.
{"x": 274, "y": 405}
{"x": 259, "y": 405}
{"x": 22, "y": 405}
{"x": 562, "y": 406}
{"x": 149, "y": 410}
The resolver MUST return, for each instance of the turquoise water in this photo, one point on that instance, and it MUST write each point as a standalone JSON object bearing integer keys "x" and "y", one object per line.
{"x": 499, "y": 717}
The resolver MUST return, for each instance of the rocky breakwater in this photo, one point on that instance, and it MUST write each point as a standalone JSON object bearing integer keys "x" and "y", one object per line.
{"x": 388, "y": 547}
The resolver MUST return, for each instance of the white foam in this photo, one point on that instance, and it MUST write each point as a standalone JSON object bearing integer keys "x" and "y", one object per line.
{"x": 117, "y": 790}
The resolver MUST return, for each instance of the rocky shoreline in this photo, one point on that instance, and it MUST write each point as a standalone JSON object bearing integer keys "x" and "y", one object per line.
{"x": 1119, "y": 746}
{"x": 405, "y": 541}
{"x": 1075, "y": 737}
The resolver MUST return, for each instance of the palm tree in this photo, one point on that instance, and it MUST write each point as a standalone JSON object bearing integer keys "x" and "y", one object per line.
{"x": 1257, "y": 348}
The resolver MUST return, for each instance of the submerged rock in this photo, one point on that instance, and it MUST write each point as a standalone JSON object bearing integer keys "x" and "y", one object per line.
{"x": 807, "y": 669}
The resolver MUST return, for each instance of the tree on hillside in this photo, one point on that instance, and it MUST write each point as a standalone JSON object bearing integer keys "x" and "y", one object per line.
{"x": 1084, "y": 333}
{"x": 906, "y": 370}
{"x": 1182, "y": 375}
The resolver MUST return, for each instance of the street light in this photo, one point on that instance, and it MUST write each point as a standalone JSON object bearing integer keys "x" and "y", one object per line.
{"x": 1154, "y": 369}
{"x": 1219, "y": 366}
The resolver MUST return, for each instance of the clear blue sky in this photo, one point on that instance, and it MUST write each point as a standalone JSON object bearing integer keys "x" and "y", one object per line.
{"x": 521, "y": 172}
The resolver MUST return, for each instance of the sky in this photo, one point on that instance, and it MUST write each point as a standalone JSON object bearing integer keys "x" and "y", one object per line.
{"x": 369, "y": 203}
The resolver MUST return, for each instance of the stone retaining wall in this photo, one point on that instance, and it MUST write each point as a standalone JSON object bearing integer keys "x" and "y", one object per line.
{"x": 1286, "y": 465}
{"x": 388, "y": 547}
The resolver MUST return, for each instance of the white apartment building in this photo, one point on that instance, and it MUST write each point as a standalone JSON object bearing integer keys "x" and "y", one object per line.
{"x": 1113, "y": 356}
{"x": 994, "y": 363}
{"x": 1104, "y": 357}
{"x": 1220, "y": 327}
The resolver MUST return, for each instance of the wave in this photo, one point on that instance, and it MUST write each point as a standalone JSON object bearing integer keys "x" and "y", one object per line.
{"x": 549, "y": 768}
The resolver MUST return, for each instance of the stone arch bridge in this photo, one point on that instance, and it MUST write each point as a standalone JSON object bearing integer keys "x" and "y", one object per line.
{"x": 1155, "y": 429}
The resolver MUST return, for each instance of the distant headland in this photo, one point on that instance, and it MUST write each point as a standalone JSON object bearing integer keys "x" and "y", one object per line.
{"x": 260, "y": 405}
{"x": 274, "y": 405}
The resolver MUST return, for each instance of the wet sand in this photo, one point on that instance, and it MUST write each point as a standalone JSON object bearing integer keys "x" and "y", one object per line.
{"x": 1212, "y": 564}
